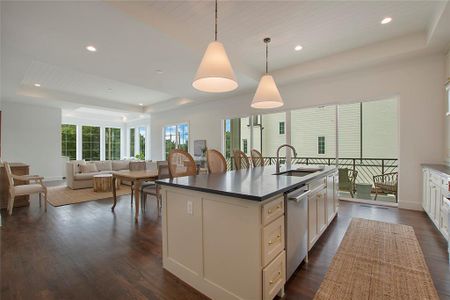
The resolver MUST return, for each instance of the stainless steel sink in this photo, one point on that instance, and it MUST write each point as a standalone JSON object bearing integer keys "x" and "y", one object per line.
{"x": 297, "y": 173}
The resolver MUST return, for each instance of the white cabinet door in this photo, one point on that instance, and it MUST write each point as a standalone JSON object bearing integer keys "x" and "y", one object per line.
{"x": 336, "y": 192}
{"x": 330, "y": 202}
{"x": 312, "y": 221}
{"x": 425, "y": 191}
{"x": 321, "y": 211}
{"x": 432, "y": 199}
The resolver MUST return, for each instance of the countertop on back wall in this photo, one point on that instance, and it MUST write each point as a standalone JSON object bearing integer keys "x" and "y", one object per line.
{"x": 257, "y": 184}
{"x": 444, "y": 169}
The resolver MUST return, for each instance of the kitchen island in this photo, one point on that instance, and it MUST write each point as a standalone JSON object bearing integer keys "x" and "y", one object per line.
{"x": 225, "y": 234}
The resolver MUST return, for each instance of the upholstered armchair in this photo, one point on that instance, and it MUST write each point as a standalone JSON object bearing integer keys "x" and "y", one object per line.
{"x": 34, "y": 185}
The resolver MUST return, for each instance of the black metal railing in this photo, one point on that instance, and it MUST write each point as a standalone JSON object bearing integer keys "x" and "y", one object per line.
{"x": 366, "y": 167}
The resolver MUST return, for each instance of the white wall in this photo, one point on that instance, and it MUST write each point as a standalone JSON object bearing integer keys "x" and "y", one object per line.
{"x": 417, "y": 83}
{"x": 31, "y": 134}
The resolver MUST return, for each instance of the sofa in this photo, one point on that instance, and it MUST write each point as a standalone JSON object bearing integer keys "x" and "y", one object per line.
{"x": 80, "y": 173}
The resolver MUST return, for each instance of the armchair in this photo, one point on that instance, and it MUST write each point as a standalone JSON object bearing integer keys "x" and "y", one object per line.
{"x": 347, "y": 180}
{"x": 36, "y": 186}
{"x": 386, "y": 183}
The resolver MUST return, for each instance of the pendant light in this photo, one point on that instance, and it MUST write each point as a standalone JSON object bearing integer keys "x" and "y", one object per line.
{"x": 267, "y": 94}
{"x": 215, "y": 74}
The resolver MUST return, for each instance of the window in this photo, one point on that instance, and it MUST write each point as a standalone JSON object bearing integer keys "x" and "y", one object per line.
{"x": 132, "y": 141}
{"x": 176, "y": 137}
{"x": 321, "y": 145}
{"x": 69, "y": 141}
{"x": 245, "y": 145}
{"x": 90, "y": 142}
{"x": 112, "y": 143}
{"x": 142, "y": 135}
{"x": 281, "y": 128}
{"x": 183, "y": 137}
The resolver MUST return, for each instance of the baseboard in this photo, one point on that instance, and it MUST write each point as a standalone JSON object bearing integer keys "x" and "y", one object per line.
{"x": 410, "y": 205}
{"x": 372, "y": 202}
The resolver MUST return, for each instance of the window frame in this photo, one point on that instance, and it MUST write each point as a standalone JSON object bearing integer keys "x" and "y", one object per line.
{"x": 321, "y": 145}
{"x": 113, "y": 157}
{"x": 64, "y": 149}
{"x": 177, "y": 137}
{"x": 282, "y": 127}
{"x": 99, "y": 143}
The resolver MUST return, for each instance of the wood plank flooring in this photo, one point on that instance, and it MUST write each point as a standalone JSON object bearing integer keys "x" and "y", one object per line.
{"x": 86, "y": 251}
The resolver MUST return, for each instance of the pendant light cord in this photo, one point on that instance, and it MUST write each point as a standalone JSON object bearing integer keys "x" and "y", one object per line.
{"x": 215, "y": 24}
{"x": 267, "y": 41}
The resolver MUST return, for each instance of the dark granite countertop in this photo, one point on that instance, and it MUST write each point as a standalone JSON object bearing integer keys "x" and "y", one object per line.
{"x": 444, "y": 169}
{"x": 256, "y": 184}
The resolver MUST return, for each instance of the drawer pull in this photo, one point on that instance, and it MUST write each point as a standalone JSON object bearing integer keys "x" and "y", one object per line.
{"x": 276, "y": 278}
{"x": 276, "y": 208}
{"x": 278, "y": 238}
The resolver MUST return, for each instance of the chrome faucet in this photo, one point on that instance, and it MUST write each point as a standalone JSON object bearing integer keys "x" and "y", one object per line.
{"x": 278, "y": 155}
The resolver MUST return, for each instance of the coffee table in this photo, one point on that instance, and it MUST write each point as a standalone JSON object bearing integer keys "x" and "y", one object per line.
{"x": 104, "y": 183}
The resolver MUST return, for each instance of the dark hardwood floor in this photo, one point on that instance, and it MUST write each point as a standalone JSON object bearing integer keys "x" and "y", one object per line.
{"x": 85, "y": 251}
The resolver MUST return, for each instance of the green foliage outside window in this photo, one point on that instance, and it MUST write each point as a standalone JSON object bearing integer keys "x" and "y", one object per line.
{"x": 90, "y": 142}
{"x": 112, "y": 143}
{"x": 69, "y": 141}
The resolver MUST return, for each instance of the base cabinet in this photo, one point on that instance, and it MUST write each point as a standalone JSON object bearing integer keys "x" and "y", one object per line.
{"x": 225, "y": 247}
{"x": 323, "y": 204}
{"x": 434, "y": 190}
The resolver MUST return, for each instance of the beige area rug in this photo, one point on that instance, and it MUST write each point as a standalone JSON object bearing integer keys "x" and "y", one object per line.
{"x": 378, "y": 260}
{"x": 62, "y": 195}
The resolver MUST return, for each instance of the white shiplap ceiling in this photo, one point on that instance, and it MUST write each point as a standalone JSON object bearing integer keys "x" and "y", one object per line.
{"x": 44, "y": 42}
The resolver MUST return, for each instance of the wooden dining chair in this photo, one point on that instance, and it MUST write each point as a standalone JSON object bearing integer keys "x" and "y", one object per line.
{"x": 152, "y": 188}
{"x": 240, "y": 160}
{"x": 257, "y": 158}
{"x": 36, "y": 187}
{"x": 181, "y": 164}
{"x": 216, "y": 162}
{"x": 136, "y": 166}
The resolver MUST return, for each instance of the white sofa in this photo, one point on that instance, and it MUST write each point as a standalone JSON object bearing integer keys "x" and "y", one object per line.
{"x": 77, "y": 180}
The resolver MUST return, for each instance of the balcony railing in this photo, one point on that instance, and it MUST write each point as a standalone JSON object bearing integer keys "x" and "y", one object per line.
{"x": 366, "y": 167}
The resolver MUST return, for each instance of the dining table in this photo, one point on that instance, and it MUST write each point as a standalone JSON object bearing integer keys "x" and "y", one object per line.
{"x": 136, "y": 178}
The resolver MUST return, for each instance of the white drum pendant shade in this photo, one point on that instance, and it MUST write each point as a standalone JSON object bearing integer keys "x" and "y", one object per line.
{"x": 215, "y": 74}
{"x": 267, "y": 94}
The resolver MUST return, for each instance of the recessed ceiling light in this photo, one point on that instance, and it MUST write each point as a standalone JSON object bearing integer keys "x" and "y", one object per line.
{"x": 37, "y": 84}
{"x": 386, "y": 20}
{"x": 91, "y": 48}
{"x": 124, "y": 118}
{"x": 140, "y": 104}
{"x": 298, "y": 48}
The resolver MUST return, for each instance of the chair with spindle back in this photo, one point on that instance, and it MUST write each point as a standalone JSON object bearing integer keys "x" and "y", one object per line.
{"x": 257, "y": 159}
{"x": 152, "y": 188}
{"x": 181, "y": 164}
{"x": 216, "y": 162}
{"x": 240, "y": 160}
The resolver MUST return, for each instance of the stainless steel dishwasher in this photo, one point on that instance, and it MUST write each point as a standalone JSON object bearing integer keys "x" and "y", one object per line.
{"x": 296, "y": 203}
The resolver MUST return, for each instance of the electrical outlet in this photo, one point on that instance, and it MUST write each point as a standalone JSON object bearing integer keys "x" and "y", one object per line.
{"x": 189, "y": 207}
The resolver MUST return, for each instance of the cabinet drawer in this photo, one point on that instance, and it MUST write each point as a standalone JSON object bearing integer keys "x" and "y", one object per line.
{"x": 274, "y": 276}
{"x": 272, "y": 210}
{"x": 439, "y": 180}
{"x": 273, "y": 240}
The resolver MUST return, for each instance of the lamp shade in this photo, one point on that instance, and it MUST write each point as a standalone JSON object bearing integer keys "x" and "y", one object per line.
{"x": 267, "y": 94}
{"x": 215, "y": 74}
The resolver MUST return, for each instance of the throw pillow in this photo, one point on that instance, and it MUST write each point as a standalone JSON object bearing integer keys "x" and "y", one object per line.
{"x": 88, "y": 168}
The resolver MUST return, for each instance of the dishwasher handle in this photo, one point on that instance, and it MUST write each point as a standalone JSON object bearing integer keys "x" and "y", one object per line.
{"x": 300, "y": 196}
